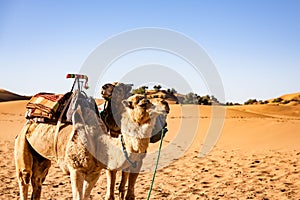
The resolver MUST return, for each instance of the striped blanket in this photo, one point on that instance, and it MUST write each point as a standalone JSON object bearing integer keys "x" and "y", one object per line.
{"x": 46, "y": 105}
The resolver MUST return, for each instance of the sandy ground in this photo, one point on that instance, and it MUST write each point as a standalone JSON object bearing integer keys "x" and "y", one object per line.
{"x": 257, "y": 156}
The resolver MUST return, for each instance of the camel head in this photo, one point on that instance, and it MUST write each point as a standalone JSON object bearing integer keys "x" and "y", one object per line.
{"x": 107, "y": 90}
{"x": 161, "y": 106}
{"x": 138, "y": 107}
{"x": 116, "y": 91}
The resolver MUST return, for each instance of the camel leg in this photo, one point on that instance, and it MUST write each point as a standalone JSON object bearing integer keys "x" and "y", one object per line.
{"x": 131, "y": 183}
{"x": 90, "y": 181}
{"x": 77, "y": 179}
{"x": 23, "y": 180}
{"x": 40, "y": 170}
{"x": 111, "y": 180}
{"x": 23, "y": 162}
{"x": 123, "y": 184}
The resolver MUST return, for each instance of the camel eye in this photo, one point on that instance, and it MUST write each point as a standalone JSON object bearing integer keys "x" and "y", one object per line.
{"x": 144, "y": 103}
{"x": 127, "y": 104}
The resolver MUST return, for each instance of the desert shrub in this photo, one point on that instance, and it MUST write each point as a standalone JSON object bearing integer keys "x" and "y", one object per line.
{"x": 190, "y": 98}
{"x": 141, "y": 90}
{"x": 277, "y": 100}
{"x": 205, "y": 100}
{"x": 214, "y": 99}
{"x": 173, "y": 91}
{"x": 157, "y": 87}
{"x": 286, "y": 101}
{"x": 250, "y": 101}
{"x": 262, "y": 102}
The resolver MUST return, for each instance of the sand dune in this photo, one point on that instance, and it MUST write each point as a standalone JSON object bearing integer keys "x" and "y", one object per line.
{"x": 293, "y": 96}
{"x": 287, "y": 99}
{"x": 9, "y": 96}
{"x": 256, "y": 157}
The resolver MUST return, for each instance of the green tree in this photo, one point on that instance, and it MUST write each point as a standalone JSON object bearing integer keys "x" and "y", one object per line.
{"x": 205, "y": 100}
{"x": 157, "y": 87}
{"x": 173, "y": 91}
{"x": 250, "y": 101}
{"x": 214, "y": 99}
{"x": 140, "y": 90}
{"x": 277, "y": 100}
{"x": 190, "y": 98}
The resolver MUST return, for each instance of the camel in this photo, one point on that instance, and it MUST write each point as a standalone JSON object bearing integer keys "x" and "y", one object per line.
{"x": 114, "y": 94}
{"x": 84, "y": 148}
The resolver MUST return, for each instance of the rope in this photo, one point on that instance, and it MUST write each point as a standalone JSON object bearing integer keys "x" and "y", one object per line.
{"x": 133, "y": 164}
{"x": 58, "y": 125}
{"x": 156, "y": 165}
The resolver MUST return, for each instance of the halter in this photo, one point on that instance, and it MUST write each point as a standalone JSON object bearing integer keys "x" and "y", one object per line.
{"x": 133, "y": 164}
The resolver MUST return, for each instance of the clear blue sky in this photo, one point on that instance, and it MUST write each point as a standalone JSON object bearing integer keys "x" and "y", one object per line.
{"x": 254, "y": 44}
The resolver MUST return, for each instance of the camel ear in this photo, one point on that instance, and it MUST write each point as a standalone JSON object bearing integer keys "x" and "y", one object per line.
{"x": 127, "y": 103}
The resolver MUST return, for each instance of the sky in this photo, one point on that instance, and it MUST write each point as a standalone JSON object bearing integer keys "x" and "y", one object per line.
{"x": 255, "y": 45}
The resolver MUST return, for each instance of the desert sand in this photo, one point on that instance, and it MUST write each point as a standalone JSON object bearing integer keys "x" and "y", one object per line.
{"x": 256, "y": 157}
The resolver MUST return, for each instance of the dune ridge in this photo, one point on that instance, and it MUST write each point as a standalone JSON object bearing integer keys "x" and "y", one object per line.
{"x": 10, "y": 96}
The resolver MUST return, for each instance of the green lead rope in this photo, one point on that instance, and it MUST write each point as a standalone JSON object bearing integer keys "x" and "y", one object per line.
{"x": 156, "y": 165}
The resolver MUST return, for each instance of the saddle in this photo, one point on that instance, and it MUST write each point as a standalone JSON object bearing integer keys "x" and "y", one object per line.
{"x": 46, "y": 106}
{"x": 49, "y": 107}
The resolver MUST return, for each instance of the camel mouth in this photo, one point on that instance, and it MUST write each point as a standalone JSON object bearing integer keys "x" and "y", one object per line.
{"x": 160, "y": 106}
{"x": 159, "y": 110}
{"x": 164, "y": 112}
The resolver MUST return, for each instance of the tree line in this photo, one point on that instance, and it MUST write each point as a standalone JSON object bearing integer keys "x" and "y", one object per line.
{"x": 190, "y": 98}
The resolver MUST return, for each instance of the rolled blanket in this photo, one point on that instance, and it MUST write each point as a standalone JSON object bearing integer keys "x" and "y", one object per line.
{"x": 45, "y": 105}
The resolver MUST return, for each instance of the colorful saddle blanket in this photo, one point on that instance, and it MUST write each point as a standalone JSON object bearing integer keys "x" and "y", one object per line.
{"x": 46, "y": 105}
